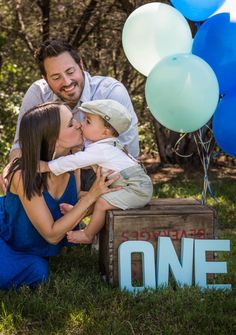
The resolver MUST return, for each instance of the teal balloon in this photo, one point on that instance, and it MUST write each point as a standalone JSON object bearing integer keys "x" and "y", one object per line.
{"x": 152, "y": 32}
{"x": 182, "y": 92}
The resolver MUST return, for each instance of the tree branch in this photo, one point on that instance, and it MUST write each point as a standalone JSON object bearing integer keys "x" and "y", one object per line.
{"x": 126, "y": 6}
{"x": 79, "y": 31}
{"x": 22, "y": 31}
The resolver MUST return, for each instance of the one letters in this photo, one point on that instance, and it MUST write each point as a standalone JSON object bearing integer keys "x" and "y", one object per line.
{"x": 192, "y": 252}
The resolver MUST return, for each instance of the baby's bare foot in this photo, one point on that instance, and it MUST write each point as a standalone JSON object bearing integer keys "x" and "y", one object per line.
{"x": 79, "y": 236}
{"x": 65, "y": 207}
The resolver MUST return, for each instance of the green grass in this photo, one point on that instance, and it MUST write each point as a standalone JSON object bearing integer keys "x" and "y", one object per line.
{"x": 76, "y": 300}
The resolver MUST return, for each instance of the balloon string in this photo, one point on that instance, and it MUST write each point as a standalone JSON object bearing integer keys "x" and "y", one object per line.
{"x": 175, "y": 147}
{"x": 205, "y": 154}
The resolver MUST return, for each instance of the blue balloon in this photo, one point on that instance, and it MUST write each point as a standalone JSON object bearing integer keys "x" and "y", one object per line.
{"x": 215, "y": 42}
{"x": 197, "y": 10}
{"x": 224, "y": 124}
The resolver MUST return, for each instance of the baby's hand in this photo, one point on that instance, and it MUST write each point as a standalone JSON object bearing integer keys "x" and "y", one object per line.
{"x": 43, "y": 167}
{"x": 65, "y": 207}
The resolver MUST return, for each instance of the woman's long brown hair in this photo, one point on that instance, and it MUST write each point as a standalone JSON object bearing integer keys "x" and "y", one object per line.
{"x": 38, "y": 133}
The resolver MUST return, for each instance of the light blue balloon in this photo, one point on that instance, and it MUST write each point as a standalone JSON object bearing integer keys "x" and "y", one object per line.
{"x": 182, "y": 92}
{"x": 215, "y": 42}
{"x": 197, "y": 10}
{"x": 224, "y": 124}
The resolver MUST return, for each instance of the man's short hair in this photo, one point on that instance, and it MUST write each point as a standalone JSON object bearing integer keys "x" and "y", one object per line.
{"x": 53, "y": 48}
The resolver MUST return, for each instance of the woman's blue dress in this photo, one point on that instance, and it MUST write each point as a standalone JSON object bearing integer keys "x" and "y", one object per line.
{"x": 23, "y": 251}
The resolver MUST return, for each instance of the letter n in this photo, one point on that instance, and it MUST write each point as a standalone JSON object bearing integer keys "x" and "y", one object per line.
{"x": 168, "y": 260}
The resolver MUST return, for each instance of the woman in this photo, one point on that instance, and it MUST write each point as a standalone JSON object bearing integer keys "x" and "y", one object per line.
{"x": 32, "y": 227}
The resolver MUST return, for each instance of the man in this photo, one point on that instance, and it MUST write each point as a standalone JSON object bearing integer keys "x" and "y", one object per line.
{"x": 64, "y": 79}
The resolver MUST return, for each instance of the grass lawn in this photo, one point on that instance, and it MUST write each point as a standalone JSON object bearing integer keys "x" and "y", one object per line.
{"x": 76, "y": 300}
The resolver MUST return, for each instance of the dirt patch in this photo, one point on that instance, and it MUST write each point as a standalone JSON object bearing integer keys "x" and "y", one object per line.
{"x": 163, "y": 174}
{"x": 159, "y": 173}
{"x": 166, "y": 174}
{"x": 224, "y": 172}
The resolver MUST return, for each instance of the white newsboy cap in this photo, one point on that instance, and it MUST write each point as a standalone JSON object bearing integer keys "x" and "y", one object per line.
{"x": 112, "y": 111}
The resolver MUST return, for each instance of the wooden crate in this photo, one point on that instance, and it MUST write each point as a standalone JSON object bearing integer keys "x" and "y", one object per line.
{"x": 175, "y": 218}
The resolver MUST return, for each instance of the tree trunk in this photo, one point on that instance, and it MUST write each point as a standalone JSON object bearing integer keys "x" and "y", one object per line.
{"x": 44, "y": 6}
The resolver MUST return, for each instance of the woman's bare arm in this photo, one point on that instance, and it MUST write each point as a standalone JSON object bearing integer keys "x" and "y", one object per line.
{"x": 40, "y": 216}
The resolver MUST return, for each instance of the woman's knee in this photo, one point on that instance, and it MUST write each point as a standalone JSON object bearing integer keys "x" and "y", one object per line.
{"x": 38, "y": 272}
{"x": 32, "y": 274}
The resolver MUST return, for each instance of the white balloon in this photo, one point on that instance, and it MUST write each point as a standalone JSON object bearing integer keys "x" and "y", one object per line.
{"x": 152, "y": 32}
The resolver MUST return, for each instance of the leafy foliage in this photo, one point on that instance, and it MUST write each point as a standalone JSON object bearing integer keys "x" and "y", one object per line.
{"x": 12, "y": 90}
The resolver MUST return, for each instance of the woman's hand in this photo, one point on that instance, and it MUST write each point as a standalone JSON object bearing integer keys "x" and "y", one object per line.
{"x": 102, "y": 183}
{"x": 4, "y": 179}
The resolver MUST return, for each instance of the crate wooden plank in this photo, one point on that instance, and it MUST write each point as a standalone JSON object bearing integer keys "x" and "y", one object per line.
{"x": 174, "y": 201}
{"x": 176, "y": 218}
{"x": 162, "y": 209}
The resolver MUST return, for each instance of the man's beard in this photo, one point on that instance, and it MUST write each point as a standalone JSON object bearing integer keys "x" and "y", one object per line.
{"x": 72, "y": 102}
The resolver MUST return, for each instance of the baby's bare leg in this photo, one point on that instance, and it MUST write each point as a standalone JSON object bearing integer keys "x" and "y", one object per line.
{"x": 87, "y": 235}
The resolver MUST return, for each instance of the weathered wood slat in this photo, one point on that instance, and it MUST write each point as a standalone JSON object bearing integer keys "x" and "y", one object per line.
{"x": 162, "y": 209}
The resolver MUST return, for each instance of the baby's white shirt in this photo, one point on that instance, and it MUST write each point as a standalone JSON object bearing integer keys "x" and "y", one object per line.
{"x": 100, "y": 153}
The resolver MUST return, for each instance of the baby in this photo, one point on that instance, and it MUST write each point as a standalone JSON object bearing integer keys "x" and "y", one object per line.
{"x": 104, "y": 121}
